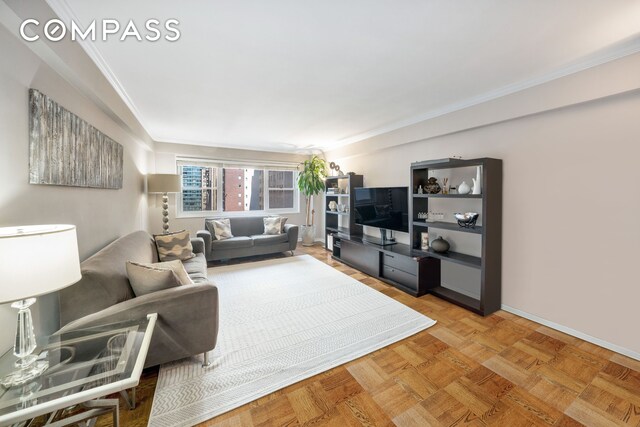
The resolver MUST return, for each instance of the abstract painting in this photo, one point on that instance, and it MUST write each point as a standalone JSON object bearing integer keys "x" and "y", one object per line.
{"x": 66, "y": 150}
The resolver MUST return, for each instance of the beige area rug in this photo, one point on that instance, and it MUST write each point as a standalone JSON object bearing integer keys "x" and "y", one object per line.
{"x": 281, "y": 321}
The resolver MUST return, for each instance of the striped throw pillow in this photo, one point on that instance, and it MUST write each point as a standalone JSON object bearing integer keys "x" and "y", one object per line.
{"x": 174, "y": 246}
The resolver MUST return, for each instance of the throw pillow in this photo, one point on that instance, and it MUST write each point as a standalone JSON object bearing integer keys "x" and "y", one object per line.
{"x": 174, "y": 246}
{"x": 272, "y": 225}
{"x": 222, "y": 228}
{"x": 176, "y": 266}
{"x": 208, "y": 224}
{"x": 145, "y": 280}
{"x": 283, "y": 221}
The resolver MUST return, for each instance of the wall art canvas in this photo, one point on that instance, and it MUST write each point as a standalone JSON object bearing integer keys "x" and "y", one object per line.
{"x": 66, "y": 150}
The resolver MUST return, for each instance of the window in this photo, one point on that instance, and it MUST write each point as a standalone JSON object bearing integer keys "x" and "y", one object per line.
{"x": 210, "y": 188}
{"x": 199, "y": 188}
{"x": 281, "y": 189}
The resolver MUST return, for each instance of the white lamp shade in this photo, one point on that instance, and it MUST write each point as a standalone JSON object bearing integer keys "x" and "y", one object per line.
{"x": 36, "y": 260}
{"x": 163, "y": 183}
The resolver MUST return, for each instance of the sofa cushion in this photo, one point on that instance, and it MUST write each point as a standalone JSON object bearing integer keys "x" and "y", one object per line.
{"x": 172, "y": 246}
{"x": 197, "y": 268}
{"x": 238, "y": 242}
{"x": 272, "y": 225}
{"x": 221, "y": 229}
{"x": 247, "y": 226}
{"x": 208, "y": 225}
{"x": 146, "y": 279}
{"x": 176, "y": 266}
{"x": 269, "y": 239}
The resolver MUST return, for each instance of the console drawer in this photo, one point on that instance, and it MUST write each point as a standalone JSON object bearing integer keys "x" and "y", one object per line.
{"x": 402, "y": 277}
{"x": 400, "y": 262}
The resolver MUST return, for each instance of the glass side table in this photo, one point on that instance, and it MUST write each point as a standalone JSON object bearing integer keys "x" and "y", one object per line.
{"x": 84, "y": 366}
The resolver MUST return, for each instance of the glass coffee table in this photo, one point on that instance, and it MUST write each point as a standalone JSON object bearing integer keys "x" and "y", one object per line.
{"x": 84, "y": 366}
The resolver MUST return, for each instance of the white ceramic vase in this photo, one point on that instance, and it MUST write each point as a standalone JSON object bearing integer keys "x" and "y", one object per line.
{"x": 477, "y": 182}
{"x": 464, "y": 188}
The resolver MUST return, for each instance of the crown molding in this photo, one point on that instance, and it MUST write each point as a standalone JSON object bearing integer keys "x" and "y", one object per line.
{"x": 617, "y": 51}
{"x": 66, "y": 14}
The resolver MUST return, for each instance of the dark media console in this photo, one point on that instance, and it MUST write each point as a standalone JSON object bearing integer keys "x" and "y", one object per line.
{"x": 392, "y": 264}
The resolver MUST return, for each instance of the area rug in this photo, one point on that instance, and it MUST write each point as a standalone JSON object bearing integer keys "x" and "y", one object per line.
{"x": 281, "y": 321}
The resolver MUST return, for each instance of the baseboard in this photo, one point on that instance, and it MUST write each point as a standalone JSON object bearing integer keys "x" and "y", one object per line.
{"x": 593, "y": 340}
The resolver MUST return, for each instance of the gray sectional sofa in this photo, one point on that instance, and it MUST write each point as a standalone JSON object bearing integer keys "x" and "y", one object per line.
{"x": 187, "y": 315}
{"x": 248, "y": 239}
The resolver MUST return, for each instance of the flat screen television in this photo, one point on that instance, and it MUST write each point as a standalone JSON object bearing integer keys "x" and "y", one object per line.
{"x": 382, "y": 207}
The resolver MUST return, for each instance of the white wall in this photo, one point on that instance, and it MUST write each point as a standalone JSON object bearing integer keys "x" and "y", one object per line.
{"x": 100, "y": 215}
{"x": 571, "y": 179}
{"x": 165, "y": 162}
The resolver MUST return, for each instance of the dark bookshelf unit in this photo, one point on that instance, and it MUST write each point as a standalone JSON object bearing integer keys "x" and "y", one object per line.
{"x": 340, "y": 189}
{"x": 488, "y": 262}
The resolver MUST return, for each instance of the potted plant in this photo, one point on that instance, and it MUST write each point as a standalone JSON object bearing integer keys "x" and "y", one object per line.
{"x": 311, "y": 183}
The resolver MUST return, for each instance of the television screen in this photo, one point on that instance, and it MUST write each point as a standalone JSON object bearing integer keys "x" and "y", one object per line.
{"x": 382, "y": 207}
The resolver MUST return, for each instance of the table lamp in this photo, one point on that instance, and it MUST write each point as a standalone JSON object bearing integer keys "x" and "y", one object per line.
{"x": 164, "y": 183}
{"x": 34, "y": 260}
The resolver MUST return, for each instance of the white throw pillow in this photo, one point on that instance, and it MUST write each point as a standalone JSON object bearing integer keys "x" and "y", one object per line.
{"x": 272, "y": 225}
{"x": 222, "y": 228}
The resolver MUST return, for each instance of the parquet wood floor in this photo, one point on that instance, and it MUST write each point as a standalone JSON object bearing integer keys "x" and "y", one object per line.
{"x": 500, "y": 370}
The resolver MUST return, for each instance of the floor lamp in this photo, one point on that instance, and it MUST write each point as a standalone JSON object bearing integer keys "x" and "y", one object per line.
{"x": 164, "y": 183}
{"x": 34, "y": 260}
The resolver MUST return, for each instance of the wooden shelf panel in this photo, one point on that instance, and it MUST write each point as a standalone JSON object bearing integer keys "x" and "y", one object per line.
{"x": 448, "y": 226}
{"x": 455, "y": 257}
{"x": 336, "y": 195}
{"x": 457, "y": 298}
{"x": 337, "y": 213}
{"x": 448, "y": 196}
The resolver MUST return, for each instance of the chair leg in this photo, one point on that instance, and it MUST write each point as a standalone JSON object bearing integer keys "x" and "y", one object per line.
{"x": 206, "y": 362}
{"x": 291, "y": 253}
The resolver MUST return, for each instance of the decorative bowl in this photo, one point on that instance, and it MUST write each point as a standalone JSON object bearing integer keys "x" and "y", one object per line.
{"x": 467, "y": 219}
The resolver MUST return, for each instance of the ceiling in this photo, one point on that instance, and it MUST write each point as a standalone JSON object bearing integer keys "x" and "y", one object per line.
{"x": 286, "y": 75}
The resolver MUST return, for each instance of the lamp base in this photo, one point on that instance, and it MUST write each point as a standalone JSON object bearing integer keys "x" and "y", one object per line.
{"x": 28, "y": 366}
{"x": 24, "y": 375}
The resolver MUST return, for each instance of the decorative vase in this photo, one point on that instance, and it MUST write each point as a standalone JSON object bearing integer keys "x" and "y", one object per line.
{"x": 432, "y": 186}
{"x": 477, "y": 182}
{"x": 440, "y": 245}
{"x": 464, "y": 188}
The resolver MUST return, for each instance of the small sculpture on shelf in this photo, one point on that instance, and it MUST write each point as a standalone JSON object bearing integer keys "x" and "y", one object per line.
{"x": 420, "y": 190}
{"x": 336, "y": 168}
{"x": 432, "y": 186}
{"x": 467, "y": 219}
{"x": 333, "y": 205}
{"x": 424, "y": 241}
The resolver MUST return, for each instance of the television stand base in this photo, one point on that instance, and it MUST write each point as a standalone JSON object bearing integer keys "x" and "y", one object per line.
{"x": 378, "y": 242}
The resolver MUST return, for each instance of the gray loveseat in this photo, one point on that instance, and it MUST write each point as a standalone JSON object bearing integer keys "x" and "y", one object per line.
{"x": 248, "y": 239}
{"x": 187, "y": 315}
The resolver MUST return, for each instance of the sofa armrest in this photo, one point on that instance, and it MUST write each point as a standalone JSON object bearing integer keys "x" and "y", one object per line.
{"x": 292, "y": 233}
{"x": 206, "y": 237}
{"x": 198, "y": 245}
{"x": 187, "y": 320}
